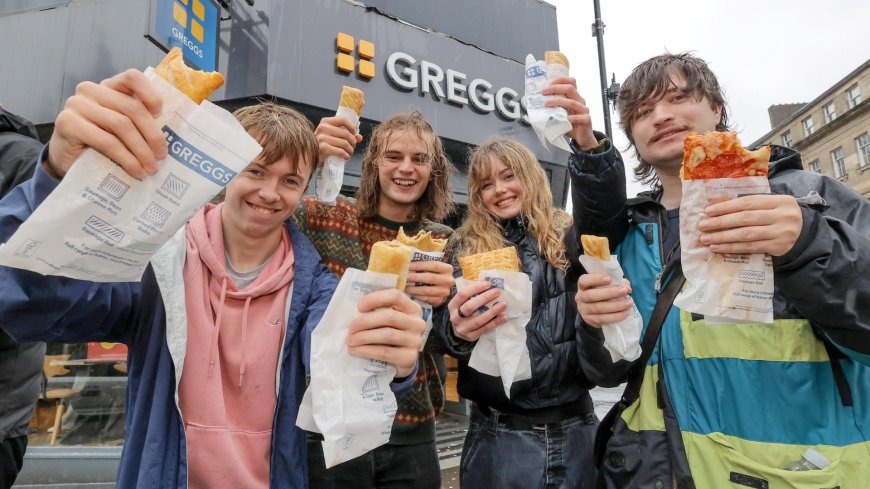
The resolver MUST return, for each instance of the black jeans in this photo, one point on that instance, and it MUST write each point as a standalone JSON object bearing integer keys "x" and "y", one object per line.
{"x": 11, "y": 459}
{"x": 559, "y": 456}
{"x": 385, "y": 467}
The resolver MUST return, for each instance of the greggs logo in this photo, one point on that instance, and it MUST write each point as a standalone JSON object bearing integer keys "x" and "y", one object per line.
{"x": 193, "y": 11}
{"x": 346, "y": 62}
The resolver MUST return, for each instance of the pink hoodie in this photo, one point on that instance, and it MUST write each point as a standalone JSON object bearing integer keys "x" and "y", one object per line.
{"x": 227, "y": 389}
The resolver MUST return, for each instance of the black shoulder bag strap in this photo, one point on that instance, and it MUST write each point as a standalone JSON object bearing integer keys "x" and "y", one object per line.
{"x": 635, "y": 374}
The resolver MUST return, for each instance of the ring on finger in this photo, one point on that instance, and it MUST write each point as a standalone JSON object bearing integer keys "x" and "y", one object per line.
{"x": 459, "y": 311}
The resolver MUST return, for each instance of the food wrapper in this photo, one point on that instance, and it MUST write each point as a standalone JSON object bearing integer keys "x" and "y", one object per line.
{"x": 349, "y": 399}
{"x": 425, "y": 306}
{"x": 101, "y": 224}
{"x": 725, "y": 288}
{"x": 330, "y": 176}
{"x": 621, "y": 339}
{"x": 503, "y": 352}
{"x": 549, "y": 123}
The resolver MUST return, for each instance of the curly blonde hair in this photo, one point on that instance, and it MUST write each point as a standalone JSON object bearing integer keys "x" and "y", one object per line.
{"x": 436, "y": 203}
{"x": 481, "y": 230}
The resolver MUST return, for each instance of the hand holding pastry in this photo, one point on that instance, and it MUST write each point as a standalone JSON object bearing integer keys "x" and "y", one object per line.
{"x": 115, "y": 117}
{"x": 389, "y": 328}
{"x": 575, "y": 105}
{"x": 430, "y": 281}
{"x": 468, "y": 320}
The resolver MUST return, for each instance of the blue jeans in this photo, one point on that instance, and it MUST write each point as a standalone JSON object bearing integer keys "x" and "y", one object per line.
{"x": 385, "y": 467}
{"x": 498, "y": 457}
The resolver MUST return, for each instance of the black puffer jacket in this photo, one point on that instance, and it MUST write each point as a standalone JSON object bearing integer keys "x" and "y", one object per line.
{"x": 20, "y": 364}
{"x": 554, "y": 339}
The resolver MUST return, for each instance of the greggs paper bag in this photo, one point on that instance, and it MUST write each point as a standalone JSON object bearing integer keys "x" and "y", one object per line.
{"x": 621, "y": 339}
{"x": 503, "y": 352}
{"x": 101, "y": 224}
{"x": 349, "y": 398}
{"x": 725, "y": 288}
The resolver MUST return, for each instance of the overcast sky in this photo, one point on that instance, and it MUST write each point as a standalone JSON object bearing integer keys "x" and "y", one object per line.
{"x": 764, "y": 52}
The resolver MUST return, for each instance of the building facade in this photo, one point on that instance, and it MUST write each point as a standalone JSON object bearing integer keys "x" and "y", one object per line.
{"x": 832, "y": 132}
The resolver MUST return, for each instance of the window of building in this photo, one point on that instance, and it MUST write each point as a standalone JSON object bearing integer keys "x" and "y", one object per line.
{"x": 853, "y": 95}
{"x": 862, "y": 144}
{"x": 839, "y": 162}
{"x": 816, "y": 166}
{"x": 809, "y": 126}
{"x": 786, "y": 139}
{"x": 830, "y": 111}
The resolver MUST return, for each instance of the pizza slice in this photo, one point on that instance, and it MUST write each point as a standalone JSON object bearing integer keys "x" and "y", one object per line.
{"x": 720, "y": 155}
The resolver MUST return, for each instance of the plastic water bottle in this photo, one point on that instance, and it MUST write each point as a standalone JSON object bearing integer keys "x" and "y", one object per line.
{"x": 810, "y": 460}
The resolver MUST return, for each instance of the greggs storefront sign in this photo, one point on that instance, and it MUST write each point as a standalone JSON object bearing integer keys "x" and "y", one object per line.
{"x": 406, "y": 73}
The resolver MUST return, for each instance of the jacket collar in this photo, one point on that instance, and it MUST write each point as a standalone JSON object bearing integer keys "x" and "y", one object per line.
{"x": 514, "y": 229}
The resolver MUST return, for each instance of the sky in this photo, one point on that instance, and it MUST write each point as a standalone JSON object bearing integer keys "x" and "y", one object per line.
{"x": 764, "y": 52}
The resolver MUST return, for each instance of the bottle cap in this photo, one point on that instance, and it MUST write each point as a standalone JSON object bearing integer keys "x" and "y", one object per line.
{"x": 816, "y": 458}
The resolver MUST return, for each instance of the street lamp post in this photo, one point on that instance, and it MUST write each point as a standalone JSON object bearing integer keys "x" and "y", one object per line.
{"x": 608, "y": 95}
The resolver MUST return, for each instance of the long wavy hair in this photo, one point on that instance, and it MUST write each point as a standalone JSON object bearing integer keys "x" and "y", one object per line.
{"x": 436, "y": 203}
{"x": 482, "y": 231}
{"x": 651, "y": 80}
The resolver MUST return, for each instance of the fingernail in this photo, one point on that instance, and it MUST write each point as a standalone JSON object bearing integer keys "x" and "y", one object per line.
{"x": 705, "y": 239}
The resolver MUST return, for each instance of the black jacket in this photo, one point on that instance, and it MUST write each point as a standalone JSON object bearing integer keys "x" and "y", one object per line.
{"x": 20, "y": 364}
{"x": 554, "y": 338}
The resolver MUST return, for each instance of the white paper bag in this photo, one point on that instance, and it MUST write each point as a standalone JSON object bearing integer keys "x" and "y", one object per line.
{"x": 330, "y": 176}
{"x": 503, "y": 352}
{"x": 621, "y": 339}
{"x": 425, "y": 306}
{"x": 550, "y": 123}
{"x": 103, "y": 225}
{"x": 349, "y": 398}
{"x": 725, "y": 288}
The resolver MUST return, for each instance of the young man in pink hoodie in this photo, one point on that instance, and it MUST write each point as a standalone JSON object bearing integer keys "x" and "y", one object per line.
{"x": 230, "y": 301}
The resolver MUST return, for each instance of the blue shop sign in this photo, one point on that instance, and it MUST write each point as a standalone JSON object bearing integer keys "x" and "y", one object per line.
{"x": 191, "y": 25}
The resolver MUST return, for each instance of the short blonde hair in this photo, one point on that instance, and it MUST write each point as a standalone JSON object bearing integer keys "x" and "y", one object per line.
{"x": 281, "y": 131}
{"x": 436, "y": 203}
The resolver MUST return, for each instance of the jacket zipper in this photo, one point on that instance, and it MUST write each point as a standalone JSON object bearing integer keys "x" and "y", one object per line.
{"x": 664, "y": 261}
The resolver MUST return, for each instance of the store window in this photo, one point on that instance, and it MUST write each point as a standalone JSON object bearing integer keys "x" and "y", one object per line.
{"x": 809, "y": 126}
{"x": 862, "y": 144}
{"x": 830, "y": 111}
{"x": 83, "y": 396}
{"x": 839, "y": 161}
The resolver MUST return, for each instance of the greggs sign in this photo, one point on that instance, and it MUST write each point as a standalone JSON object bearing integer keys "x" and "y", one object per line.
{"x": 406, "y": 73}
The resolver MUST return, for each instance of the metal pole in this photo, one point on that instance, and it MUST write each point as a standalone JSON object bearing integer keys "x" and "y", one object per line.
{"x": 598, "y": 33}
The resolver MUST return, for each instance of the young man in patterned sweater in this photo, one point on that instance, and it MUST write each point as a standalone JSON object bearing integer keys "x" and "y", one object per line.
{"x": 404, "y": 182}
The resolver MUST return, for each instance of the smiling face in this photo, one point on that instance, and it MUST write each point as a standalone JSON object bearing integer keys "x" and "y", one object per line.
{"x": 661, "y": 126}
{"x": 403, "y": 174}
{"x": 262, "y": 197}
{"x": 501, "y": 191}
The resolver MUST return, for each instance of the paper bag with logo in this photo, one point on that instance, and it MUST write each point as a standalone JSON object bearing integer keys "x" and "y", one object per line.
{"x": 349, "y": 398}
{"x": 550, "y": 123}
{"x": 502, "y": 352}
{"x": 424, "y": 248}
{"x": 103, "y": 225}
{"x": 621, "y": 339}
{"x": 725, "y": 288}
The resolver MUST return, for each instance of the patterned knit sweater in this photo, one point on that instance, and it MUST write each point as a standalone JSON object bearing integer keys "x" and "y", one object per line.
{"x": 344, "y": 240}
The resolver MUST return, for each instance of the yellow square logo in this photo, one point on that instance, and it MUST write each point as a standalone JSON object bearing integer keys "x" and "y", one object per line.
{"x": 179, "y": 14}
{"x": 345, "y": 61}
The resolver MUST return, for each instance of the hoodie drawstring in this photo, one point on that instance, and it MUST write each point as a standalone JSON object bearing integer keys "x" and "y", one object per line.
{"x": 244, "y": 339}
{"x": 217, "y": 327}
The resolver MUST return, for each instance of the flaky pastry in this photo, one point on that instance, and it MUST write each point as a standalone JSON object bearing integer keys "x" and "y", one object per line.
{"x": 555, "y": 57}
{"x": 720, "y": 155}
{"x": 197, "y": 85}
{"x": 500, "y": 259}
{"x": 423, "y": 241}
{"x": 391, "y": 257}
{"x": 352, "y": 98}
{"x": 596, "y": 246}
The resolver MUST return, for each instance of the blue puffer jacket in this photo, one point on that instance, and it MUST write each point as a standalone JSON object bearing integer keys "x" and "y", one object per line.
{"x": 150, "y": 317}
